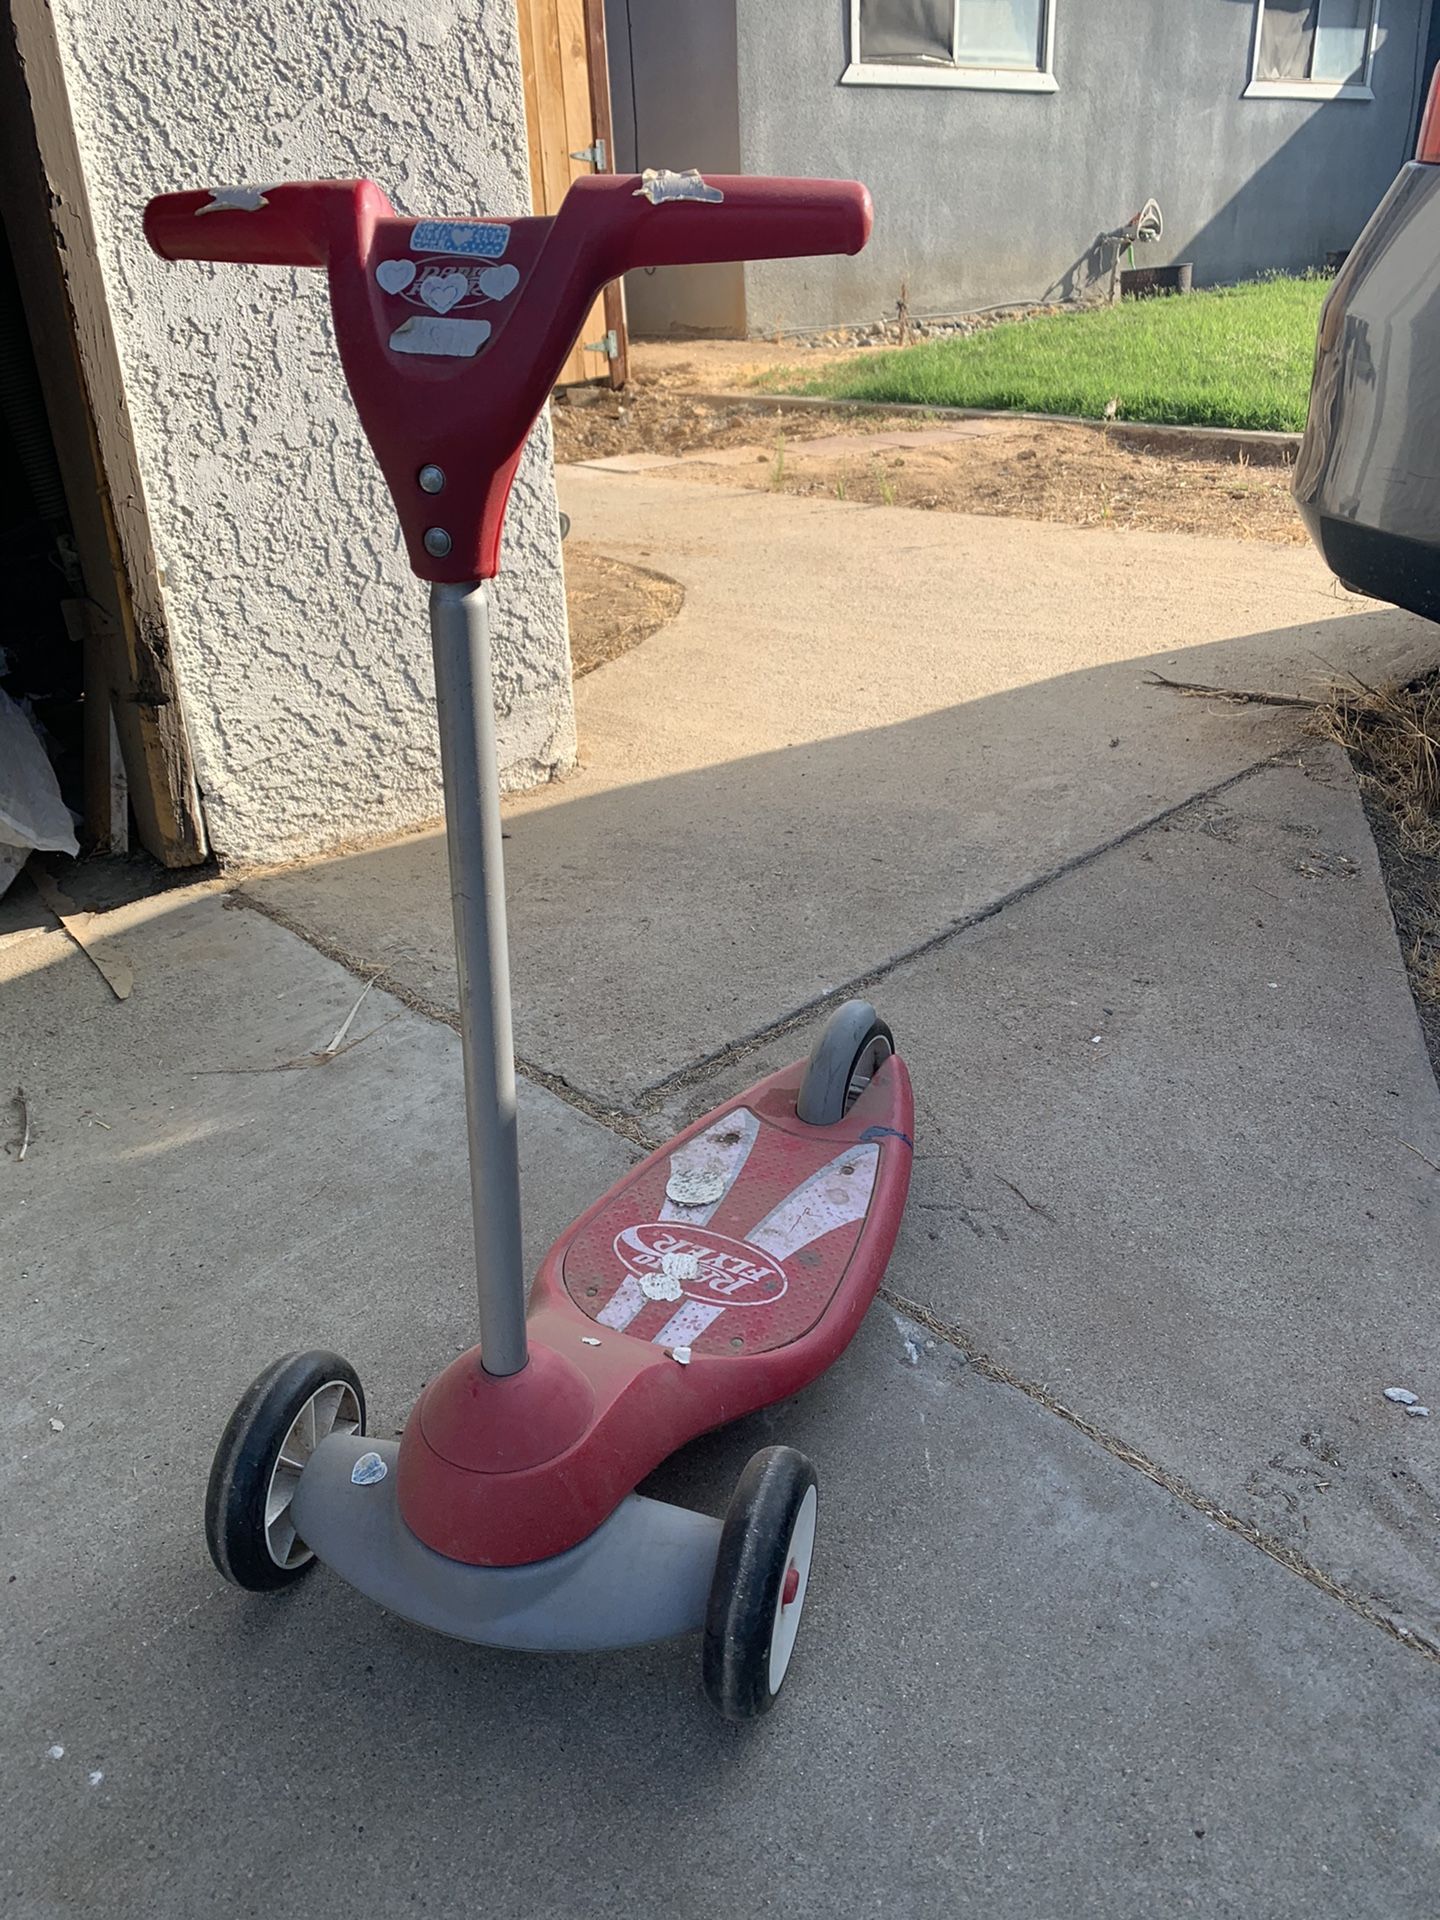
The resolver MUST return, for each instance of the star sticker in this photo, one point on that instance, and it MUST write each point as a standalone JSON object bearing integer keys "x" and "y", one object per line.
{"x": 235, "y": 200}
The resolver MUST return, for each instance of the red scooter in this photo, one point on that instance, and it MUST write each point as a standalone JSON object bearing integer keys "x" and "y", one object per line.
{"x": 729, "y": 1268}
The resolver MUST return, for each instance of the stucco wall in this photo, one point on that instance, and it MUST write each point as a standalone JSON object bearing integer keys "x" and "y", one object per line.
{"x": 299, "y": 632}
{"x": 986, "y": 197}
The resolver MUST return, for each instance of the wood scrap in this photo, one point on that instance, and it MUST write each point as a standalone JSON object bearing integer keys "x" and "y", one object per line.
{"x": 87, "y": 931}
{"x": 1242, "y": 696}
{"x": 24, "y": 1106}
{"x": 321, "y": 1057}
{"x": 333, "y": 1046}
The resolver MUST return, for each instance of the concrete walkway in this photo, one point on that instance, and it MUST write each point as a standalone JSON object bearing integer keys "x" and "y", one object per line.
{"x": 865, "y": 727}
{"x": 1128, "y": 1597}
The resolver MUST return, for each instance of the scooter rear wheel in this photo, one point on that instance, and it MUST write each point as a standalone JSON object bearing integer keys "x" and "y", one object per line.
{"x": 283, "y": 1416}
{"x": 762, "y": 1571}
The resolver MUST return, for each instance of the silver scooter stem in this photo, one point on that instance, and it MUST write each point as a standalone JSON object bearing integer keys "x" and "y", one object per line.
{"x": 460, "y": 634}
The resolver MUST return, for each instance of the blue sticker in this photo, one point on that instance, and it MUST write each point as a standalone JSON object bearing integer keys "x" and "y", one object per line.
{"x": 467, "y": 237}
{"x": 368, "y": 1469}
{"x": 888, "y": 1133}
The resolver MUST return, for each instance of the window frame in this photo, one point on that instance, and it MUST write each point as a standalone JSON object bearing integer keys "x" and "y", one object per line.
{"x": 877, "y": 73}
{"x": 1257, "y": 89}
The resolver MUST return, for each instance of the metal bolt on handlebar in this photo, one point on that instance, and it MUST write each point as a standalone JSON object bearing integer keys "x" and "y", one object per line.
{"x": 431, "y": 479}
{"x": 437, "y": 542}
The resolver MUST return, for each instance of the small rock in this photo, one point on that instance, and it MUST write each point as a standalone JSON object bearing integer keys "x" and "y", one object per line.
{"x": 55, "y": 1753}
{"x": 1402, "y": 1397}
{"x": 1418, "y": 1412}
{"x": 57, "y": 1426}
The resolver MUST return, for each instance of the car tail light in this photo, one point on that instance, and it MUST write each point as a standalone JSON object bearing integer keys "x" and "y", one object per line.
{"x": 1427, "y": 147}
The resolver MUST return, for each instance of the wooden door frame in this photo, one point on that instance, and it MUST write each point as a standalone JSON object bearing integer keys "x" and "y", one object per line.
{"x": 52, "y": 237}
{"x": 598, "y": 58}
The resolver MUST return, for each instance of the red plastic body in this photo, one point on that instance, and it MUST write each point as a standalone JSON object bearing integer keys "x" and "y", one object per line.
{"x": 526, "y": 284}
{"x": 498, "y": 1472}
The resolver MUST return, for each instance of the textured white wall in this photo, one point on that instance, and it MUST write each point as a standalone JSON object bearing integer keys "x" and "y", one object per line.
{"x": 299, "y": 632}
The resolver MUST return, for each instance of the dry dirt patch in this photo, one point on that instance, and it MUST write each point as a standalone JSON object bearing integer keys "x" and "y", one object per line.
{"x": 1077, "y": 476}
{"x": 613, "y": 606}
{"x": 1073, "y": 475}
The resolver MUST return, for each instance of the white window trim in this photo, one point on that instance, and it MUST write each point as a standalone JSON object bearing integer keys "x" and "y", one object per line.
{"x": 1312, "y": 89}
{"x": 877, "y": 73}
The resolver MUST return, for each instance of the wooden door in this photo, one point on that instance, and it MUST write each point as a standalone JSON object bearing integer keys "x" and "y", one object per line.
{"x": 567, "y": 112}
{"x": 121, "y": 622}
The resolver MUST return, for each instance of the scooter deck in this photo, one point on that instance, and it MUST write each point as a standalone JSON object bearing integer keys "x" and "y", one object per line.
{"x": 723, "y": 1273}
{"x": 735, "y": 1241}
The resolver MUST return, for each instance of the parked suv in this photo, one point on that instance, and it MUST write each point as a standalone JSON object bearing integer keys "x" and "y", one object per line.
{"x": 1368, "y": 476}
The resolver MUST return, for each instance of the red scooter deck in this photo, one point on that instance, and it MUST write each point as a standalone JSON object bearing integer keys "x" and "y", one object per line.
{"x": 724, "y": 1273}
{"x": 735, "y": 1240}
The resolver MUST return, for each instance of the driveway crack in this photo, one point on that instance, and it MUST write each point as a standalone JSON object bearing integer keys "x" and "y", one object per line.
{"x": 1121, "y": 1450}
{"x": 690, "y": 1075}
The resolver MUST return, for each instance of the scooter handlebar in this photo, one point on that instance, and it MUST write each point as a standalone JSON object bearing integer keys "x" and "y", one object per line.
{"x": 452, "y": 331}
{"x": 752, "y": 219}
{"x": 285, "y": 226}
{"x": 742, "y": 218}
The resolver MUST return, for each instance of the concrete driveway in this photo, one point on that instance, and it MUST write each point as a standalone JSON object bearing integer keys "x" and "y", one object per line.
{"x": 1128, "y": 1593}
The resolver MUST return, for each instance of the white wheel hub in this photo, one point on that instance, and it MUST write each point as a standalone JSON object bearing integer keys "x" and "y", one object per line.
{"x": 866, "y": 1067}
{"x": 792, "y": 1590}
{"x": 332, "y": 1408}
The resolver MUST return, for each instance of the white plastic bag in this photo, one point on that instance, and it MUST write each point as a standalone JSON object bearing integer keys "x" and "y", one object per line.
{"x": 32, "y": 814}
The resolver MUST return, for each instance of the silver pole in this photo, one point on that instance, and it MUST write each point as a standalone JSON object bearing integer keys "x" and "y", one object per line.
{"x": 460, "y": 633}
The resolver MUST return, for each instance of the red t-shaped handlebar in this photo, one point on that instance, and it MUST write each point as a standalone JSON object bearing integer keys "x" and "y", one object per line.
{"x": 451, "y": 332}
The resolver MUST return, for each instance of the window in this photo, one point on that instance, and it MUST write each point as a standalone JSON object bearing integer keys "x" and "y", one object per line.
{"x": 1313, "y": 49}
{"x": 952, "y": 43}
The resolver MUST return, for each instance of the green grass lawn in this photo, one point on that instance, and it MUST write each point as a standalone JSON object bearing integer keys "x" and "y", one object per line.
{"x": 1227, "y": 357}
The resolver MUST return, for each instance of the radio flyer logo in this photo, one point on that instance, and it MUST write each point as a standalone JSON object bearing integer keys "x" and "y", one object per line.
{"x": 728, "y": 1273}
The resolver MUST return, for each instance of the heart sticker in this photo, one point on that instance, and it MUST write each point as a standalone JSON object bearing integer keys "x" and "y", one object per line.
{"x": 440, "y": 291}
{"x": 395, "y": 275}
{"x": 496, "y": 282}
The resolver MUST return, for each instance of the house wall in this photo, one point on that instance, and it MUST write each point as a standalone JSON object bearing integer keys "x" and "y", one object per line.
{"x": 674, "y": 69}
{"x": 299, "y": 633}
{"x": 985, "y": 197}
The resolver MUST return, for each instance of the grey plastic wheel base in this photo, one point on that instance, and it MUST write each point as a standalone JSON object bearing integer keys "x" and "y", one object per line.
{"x": 848, "y": 1035}
{"x": 643, "y": 1575}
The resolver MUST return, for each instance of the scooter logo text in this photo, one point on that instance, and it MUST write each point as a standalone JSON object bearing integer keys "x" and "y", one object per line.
{"x": 730, "y": 1273}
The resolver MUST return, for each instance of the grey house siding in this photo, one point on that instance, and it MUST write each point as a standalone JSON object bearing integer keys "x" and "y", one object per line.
{"x": 674, "y": 100}
{"x": 984, "y": 197}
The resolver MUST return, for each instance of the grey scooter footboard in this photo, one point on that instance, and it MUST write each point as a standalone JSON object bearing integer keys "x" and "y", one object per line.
{"x": 643, "y": 1575}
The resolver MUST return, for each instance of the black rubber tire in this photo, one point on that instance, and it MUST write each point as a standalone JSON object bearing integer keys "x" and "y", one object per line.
{"x": 245, "y": 1459}
{"x": 746, "y": 1586}
{"x": 824, "y": 1095}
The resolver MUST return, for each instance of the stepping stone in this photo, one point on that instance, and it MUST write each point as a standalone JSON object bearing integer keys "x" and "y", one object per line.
{"x": 730, "y": 457}
{"x": 845, "y": 443}
{"x": 630, "y": 462}
{"x": 954, "y": 430}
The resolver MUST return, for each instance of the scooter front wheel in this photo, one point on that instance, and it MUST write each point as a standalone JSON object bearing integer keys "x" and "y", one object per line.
{"x": 284, "y": 1415}
{"x": 854, "y": 1044}
{"x": 762, "y": 1572}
